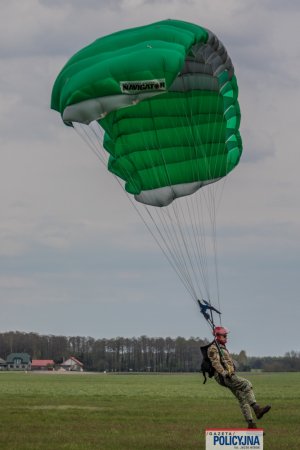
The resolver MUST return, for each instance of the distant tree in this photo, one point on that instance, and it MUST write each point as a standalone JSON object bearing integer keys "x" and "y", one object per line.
{"x": 243, "y": 361}
{"x": 139, "y": 354}
{"x": 58, "y": 360}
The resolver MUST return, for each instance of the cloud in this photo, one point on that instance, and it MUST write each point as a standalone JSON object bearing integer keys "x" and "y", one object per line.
{"x": 258, "y": 145}
{"x": 74, "y": 256}
{"x": 289, "y": 6}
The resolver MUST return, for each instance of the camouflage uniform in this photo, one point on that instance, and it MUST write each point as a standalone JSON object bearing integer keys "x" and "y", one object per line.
{"x": 226, "y": 376}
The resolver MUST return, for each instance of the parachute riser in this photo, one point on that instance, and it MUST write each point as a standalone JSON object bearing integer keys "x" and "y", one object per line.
{"x": 207, "y": 310}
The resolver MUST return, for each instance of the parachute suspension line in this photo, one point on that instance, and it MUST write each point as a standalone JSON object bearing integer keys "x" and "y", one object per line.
{"x": 183, "y": 248}
{"x": 210, "y": 194}
{"x": 199, "y": 222}
{"x": 198, "y": 144}
{"x": 91, "y": 138}
{"x": 186, "y": 240}
{"x": 158, "y": 142}
{"x": 161, "y": 225}
{"x": 169, "y": 229}
{"x": 178, "y": 261}
{"x": 90, "y": 133}
{"x": 161, "y": 242}
{"x": 178, "y": 247}
{"x": 212, "y": 200}
{"x": 171, "y": 232}
{"x": 215, "y": 252}
{"x": 221, "y": 187}
{"x": 194, "y": 253}
{"x": 176, "y": 230}
{"x": 192, "y": 203}
{"x": 197, "y": 202}
{"x": 185, "y": 243}
{"x": 186, "y": 252}
{"x": 199, "y": 239}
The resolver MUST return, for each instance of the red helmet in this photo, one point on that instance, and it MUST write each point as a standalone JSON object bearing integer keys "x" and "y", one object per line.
{"x": 220, "y": 330}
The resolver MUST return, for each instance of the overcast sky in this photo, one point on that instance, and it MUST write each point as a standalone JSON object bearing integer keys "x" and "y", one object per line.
{"x": 75, "y": 259}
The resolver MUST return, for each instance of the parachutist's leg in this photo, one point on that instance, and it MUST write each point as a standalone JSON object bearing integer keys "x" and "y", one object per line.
{"x": 242, "y": 390}
{"x": 260, "y": 412}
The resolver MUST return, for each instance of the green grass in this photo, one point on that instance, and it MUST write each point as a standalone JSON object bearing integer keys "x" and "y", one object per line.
{"x": 151, "y": 412}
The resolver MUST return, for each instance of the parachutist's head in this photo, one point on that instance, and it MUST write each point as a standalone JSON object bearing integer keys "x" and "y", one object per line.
{"x": 220, "y": 334}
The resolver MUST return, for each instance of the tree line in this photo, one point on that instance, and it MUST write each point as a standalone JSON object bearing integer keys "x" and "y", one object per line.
{"x": 136, "y": 354}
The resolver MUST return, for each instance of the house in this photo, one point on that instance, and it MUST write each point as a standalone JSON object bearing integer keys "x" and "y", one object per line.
{"x": 42, "y": 364}
{"x": 18, "y": 361}
{"x": 3, "y": 364}
{"x": 72, "y": 365}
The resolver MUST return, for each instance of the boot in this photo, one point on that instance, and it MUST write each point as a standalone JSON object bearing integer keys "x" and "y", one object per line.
{"x": 259, "y": 412}
{"x": 251, "y": 424}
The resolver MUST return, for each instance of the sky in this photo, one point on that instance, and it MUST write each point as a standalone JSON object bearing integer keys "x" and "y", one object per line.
{"x": 75, "y": 258}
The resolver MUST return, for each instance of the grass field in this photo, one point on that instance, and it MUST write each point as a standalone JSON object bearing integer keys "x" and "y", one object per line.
{"x": 151, "y": 412}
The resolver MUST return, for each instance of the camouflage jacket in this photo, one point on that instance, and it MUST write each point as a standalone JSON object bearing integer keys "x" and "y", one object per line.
{"x": 222, "y": 366}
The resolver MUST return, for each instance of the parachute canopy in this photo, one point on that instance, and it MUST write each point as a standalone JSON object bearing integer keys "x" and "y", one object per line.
{"x": 166, "y": 96}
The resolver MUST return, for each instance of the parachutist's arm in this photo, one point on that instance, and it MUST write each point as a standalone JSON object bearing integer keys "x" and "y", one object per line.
{"x": 214, "y": 356}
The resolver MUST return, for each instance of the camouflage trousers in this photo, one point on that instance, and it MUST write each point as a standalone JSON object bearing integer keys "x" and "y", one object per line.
{"x": 242, "y": 390}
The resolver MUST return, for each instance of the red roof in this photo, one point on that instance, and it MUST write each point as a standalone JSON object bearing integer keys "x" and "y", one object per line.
{"x": 72, "y": 358}
{"x": 76, "y": 360}
{"x": 42, "y": 362}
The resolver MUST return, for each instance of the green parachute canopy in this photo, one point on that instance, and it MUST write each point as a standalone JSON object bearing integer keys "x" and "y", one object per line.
{"x": 166, "y": 96}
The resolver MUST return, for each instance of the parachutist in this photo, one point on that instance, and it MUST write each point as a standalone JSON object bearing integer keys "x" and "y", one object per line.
{"x": 225, "y": 374}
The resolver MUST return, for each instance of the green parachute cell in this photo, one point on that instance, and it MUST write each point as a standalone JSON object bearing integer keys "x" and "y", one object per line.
{"x": 166, "y": 96}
